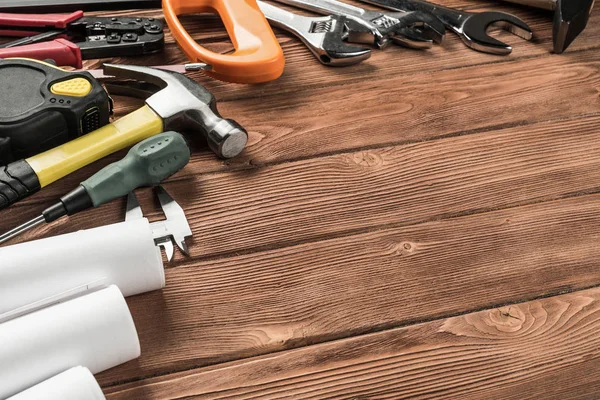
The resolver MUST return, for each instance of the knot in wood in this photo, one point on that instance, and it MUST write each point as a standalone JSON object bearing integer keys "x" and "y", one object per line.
{"x": 367, "y": 159}
{"x": 507, "y": 319}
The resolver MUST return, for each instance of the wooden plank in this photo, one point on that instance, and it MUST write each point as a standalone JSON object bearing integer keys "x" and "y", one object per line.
{"x": 220, "y": 310}
{"x": 546, "y": 349}
{"x": 314, "y": 199}
{"x": 278, "y": 135}
{"x": 304, "y": 71}
{"x": 428, "y": 107}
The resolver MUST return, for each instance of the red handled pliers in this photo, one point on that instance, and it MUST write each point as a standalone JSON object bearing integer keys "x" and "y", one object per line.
{"x": 70, "y": 38}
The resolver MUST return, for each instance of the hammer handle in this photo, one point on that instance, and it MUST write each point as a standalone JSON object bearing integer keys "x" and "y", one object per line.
{"x": 22, "y": 178}
{"x": 61, "y": 161}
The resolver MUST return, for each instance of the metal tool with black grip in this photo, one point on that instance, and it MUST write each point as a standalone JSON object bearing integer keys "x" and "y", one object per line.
{"x": 43, "y": 106}
{"x": 146, "y": 164}
{"x": 70, "y": 38}
{"x": 176, "y": 102}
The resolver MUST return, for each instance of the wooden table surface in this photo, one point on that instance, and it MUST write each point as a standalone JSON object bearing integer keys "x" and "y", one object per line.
{"x": 423, "y": 225}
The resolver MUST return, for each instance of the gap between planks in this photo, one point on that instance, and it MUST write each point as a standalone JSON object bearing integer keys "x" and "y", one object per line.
{"x": 397, "y": 186}
{"x": 420, "y": 114}
{"x": 217, "y": 311}
{"x": 501, "y": 350}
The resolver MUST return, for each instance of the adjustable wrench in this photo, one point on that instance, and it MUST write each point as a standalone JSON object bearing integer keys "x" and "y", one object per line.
{"x": 378, "y": 28}
{"x": 471, "y": 27}
{"x": 324, "y": 36}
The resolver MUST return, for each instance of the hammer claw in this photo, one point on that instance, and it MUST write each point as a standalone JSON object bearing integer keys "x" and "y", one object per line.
{"x": 183, "y": 105}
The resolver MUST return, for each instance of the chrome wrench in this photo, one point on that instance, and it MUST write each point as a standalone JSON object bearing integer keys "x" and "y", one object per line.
{"x": 470, "y": 27}
{"x": 324, "y": 36}
{"x": 379, "y": 28}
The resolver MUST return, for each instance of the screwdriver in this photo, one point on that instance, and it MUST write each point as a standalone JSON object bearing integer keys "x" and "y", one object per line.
{"x": 146, "y": 164}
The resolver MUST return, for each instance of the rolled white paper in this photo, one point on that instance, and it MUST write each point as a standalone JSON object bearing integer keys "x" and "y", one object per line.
{"x": 75, "y": 384}
{"x": 123, "y": 254}
{"x": 95, "y": 331}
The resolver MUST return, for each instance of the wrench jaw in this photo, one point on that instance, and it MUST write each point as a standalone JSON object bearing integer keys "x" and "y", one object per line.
{"x": 474, "y": 31}
{"x": 357, "y": 32}
{"x": 422, "y": 30}
{"x": 412, "y": 38}
{"x": 398, "y": 28}
{"x": 336, "y": 53}
{"x": 329, "y": 47}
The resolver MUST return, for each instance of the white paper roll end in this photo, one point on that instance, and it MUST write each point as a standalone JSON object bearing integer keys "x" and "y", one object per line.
{"x": 75, "y": 384}
{"x": 122, "y": 254}
{"x": 95, "y": 331}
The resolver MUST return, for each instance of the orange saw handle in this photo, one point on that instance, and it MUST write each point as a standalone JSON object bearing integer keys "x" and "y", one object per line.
{"x": 257, "y": 57}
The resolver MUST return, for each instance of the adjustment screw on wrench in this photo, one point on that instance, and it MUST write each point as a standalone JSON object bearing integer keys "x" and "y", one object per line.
{"x": 324, "y": 36}
{"x": 374, "y": 27}
{"x": 470, "y": 27}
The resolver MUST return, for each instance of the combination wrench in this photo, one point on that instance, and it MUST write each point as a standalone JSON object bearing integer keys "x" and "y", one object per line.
{"x": 470, "y": 27}
{"x": 324, "y": 36}
{"x": 379, "y": 28}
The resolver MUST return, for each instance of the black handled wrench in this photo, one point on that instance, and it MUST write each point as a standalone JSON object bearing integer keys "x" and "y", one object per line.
{"x": 471, "y": 27}
{"x": 378, "y": 28}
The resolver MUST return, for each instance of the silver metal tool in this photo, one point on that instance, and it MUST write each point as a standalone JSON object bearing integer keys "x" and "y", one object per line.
{"x": 146, "y": 164}
{"x": 324, "y": 36}
{"x": 185, "y": 105}
{"x": 570, "y": 18}
{"x": 471, "y": 27}
{"x": 379, "y": 28}
{"x": 175, "y": 228}
{"x": 179, "y": 68}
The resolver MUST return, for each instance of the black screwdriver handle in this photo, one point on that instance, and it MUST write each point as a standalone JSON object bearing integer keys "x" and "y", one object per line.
{"x": 17, "y": 181}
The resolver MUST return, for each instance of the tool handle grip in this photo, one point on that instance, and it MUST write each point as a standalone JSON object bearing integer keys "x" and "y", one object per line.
{"x": 257, "y": 57}
{"x": 17, "y": 181}
{"x": 61, "y": 161}
{"x": 63, "y": 52}
{"x": 147, "y": 164}
{"x": 57, "y": 21}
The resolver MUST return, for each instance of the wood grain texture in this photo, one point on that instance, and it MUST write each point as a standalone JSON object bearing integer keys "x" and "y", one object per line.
{"x": 412, "y": 187}
{"x": 318, "y": 198}
{"x": 220, "y": 310}
{"x": 279, "y": 135}
{"x": 522, "y": 351}
{"x": 424, "y": 107}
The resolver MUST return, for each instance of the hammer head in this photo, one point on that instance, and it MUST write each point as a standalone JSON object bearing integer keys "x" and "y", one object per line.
{"x": 570, "y": 19}
{"x": 185, "y": 105}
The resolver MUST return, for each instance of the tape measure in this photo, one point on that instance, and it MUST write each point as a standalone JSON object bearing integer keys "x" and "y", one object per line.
{"x": 43, "y": 106}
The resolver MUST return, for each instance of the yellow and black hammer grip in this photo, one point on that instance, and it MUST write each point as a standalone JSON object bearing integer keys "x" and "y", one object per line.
{"x": 22, "y": 178}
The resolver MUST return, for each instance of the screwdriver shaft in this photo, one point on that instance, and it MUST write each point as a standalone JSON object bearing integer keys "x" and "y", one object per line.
{"x": 22, "y": 228}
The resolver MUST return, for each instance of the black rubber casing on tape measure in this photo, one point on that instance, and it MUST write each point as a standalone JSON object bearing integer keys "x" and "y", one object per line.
{"x": 33, "y": 119}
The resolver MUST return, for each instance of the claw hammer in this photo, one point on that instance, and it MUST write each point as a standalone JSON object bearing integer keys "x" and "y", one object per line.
{"x": 181, "y": 104}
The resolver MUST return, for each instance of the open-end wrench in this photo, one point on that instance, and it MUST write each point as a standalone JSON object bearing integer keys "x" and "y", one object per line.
{"x": 324, "y": 36}
{"x": 471, "y": 27}
{"x": 379, "y": 28}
